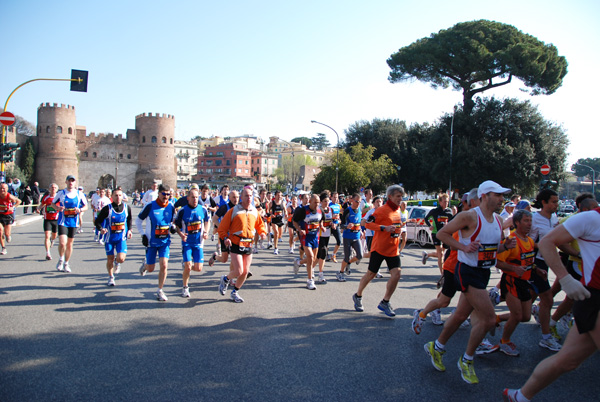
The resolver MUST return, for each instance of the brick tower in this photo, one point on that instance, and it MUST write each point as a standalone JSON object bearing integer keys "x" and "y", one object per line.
{"x": 57, "y": 146}
{"x": 156, "y": 149}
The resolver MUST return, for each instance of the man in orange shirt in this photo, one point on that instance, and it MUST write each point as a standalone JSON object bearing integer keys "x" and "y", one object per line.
{"x": 386, "y": 224}
{"x": 237, "y": 230}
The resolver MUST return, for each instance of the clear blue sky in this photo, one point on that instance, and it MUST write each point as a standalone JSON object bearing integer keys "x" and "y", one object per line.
{"x": 270, "y": 67}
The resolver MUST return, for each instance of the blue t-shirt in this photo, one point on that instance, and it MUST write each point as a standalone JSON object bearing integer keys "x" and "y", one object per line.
{"x": 352, "y": 216}
{"x": 159, "y": 222}
{"x": 70, "y": 200}
{"x": 191, "y": 221}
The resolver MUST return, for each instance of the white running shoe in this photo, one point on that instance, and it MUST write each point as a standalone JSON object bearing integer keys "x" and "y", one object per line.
{"x": 117, "y": 268}
{"x": 296, "y": 266}
{"x": 310, "y": 285}
{"x": 8, "y": 239}
{"x": 550, "y": 344}
{"x": 340, "y": 277}
{"x": 48, "y": 256}
{"x": 3, "y": 252}
{"x": 236, "y": 297}
{"x": 67, "y": 268}
{"x": 111, "y": 281}
{"x": 424, "y": 258}
{"x": 291, "y": 251}
{"x": 535, "y": 312}
{"x": 161, "y": 296}
{"x": 321, "y": 278}
{"x": 254, "y": 250}
{"x": 143, "y": 269}
{"x": 276, "y": 252}
{"x": 378, "y": 275}
{"x": 185, "y": 292}
{"x": 60, "y": 266}
{"x": 436, "y": 317}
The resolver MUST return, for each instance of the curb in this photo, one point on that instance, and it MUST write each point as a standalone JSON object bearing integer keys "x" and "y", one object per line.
{"x": 27, "y": 219}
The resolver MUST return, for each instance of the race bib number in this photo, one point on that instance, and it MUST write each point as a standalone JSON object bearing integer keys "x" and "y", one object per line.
{"x": 397, "y": 231}
{"x": 527, "y": 259}
{"x": 161, "y": 232}
{"x": 245, "y": 243}
{"x": 486, "y": 257}
{"x": 194, "y": 227}
{"x": 327, "y": 223}
{"x": 117, "y": 227}
{"x": 4, "y": 209}
{"x": 69, "y": 212}
{"x": 312, "y": 226}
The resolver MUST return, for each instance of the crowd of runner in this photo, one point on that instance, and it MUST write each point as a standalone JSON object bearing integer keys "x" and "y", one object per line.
{"x": 523, "y": 245}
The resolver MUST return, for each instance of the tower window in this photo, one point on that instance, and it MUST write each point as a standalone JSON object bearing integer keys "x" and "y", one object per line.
{"x": 164, "y": 140}
{"x": 94, "y": 155}
{"x": 154, "y": 139}
{"x": 70, "y": 130}
{"x": 128, "y": 156}
{"x": 58, "y": 130}
{"x": 47, "y": 129}
{"x": 143, "y": 139}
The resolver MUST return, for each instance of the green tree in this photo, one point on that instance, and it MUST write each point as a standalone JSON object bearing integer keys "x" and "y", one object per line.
{"x": 582, "y": 171}
{"x": 319, "y": 142}
{"x": 357, "y": 168}
{"x": 480, "y": 55}
{"x": 502, "y": 140}
{"x": 304, "y": 141}
{"x": 289, "y": 172}
{"x": 28, "y": 159}
{"x": 383, "y": 134}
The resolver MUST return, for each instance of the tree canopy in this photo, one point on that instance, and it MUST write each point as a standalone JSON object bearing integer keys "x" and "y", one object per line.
{"x": 479, "y": 55}
{"x": 303, "y": 140}
{"x": 320, "y": 141}
{"x": 582, "y": 171}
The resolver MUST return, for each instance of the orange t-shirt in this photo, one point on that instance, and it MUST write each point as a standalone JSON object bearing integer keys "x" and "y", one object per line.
{"x": 450, "y": 263}
{"x": 522, "y": 255}
{"x": 385, "y": 243}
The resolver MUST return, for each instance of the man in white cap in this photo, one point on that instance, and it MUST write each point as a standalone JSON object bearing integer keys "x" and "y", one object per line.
{"x": 480, "y": 239}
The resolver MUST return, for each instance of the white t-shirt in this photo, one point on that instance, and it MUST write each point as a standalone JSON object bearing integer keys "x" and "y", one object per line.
{"x": 369, "y": 232}
{"x": 540, "y": 227}
{"x": 585, "y": 227}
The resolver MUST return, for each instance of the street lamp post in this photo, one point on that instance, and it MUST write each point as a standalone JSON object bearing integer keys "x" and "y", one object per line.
{"x": 451, "y": 143}
{"x": 593, "y": 177}
{"x": 337, "y": 152}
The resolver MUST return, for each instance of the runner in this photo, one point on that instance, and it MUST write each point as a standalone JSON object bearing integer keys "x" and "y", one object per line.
{"x": 517, "y": 266}
{"x": 222, "y": 255}
{"x": 80, "y": 230}
{"x": 237, "y": 230}
{"x": 157, "y": 215}
{"x": 291, "y": 230}
{"x": 437, "y": 218}
{"x": 276, "y": 209}
{"x": 325, "y": 234}
{"x": 543, "y": 222}
{"x": 8, "y": 202}
{"x": 480, "y": 238}
{"x": 386, "y": 223}
{"x": 352, "y": 235}
{"x": 405, "y": 220}
{"x": 308, "y": 221}
{"x": 69, "y": 203}
{"x": 220, "y": 200}
{"x": 50, "y": 219}
{"x": 376, "y": 203}
{"x": 114, "y": 223}
{"x": 150, "y": 195}
{"x": 336, "y": 209}
{"x": 194, "y": 219}
{"x": 100, "y": 202}
{"x": 583, "y": 339}
{"x": 449, "y": 288}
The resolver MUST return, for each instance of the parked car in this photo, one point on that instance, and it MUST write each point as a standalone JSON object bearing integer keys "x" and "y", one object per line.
{"x": 418, "y": 231}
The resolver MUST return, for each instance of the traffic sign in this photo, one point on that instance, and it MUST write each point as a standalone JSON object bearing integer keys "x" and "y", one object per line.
{"x": 7, "y": 119}
{"x": 545, "y": 169}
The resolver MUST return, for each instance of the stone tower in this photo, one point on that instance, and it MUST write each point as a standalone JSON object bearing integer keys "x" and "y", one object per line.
{"x": 57, "y": 147}
{"x": 156, "y": 150}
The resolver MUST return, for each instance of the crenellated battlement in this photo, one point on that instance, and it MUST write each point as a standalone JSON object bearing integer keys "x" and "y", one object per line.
{"x": 108, "y": 136}
{"x": 55, "y": 105}
{"x": 155, "y": 115}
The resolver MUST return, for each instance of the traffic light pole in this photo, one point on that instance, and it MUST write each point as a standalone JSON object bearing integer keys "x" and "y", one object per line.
{"x": 77, "y": 79}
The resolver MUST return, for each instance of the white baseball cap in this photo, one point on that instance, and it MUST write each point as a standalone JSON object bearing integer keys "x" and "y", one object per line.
{"x": 489, "y": 186}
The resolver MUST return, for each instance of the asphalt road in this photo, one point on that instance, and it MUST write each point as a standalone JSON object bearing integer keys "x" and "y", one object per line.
{"x": 69, "y": 337}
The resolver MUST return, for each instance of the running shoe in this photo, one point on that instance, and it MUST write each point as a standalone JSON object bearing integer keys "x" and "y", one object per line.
{"x": 424, "y": 258}
{"x": 276, "y": 252}
{"x": 161, "y": 296}
{"x": 255, "y": 250}
{"x": 467, "y": 371}
{"x": 236, "y": 297}
{"x": 101, "y": 241}
{"x": 386, "y": 308}
{"x": 3, "y": 252}
{"x": 321, "y": 278}
{"x": 417, "y": 322}
{"x": 249, "y": 275}
{"x": 185, "y": 292}
{"x": 269, "y": 246}
{"x": 328, "y": 258}
{"x": 509, "y": 395}
{"x": 440, "y": 282}
{"x": 296, "y": 266}
{"x": 310, "y": 285}
{"x": 60, "y": 266}
{"x": 48, "y": 256}
{"x": 340, "y": 277}
{"x": 143, "y": 269}
{"x": 8, "y": 239}
{"x": 466, "y": 323}
{"x": 291, "y": 251}
{"x": 566, "y": 321}
{"x": 223, "y": 285}
{"x": 348, "y": 271}
{"x": 117, "y": 268}
{"x": 212, "y": 259}
{"x": 554, "y": 333}
{"x": 378, "y": 275}
{"x": 535, "y": 312}
{"x": 111, "y": 281}
{"x": 436, "y": 356}
{"x": 334, "y": 258}
{"x": 509, "y": 349}
{"x": 550, "y": 344}
{"x": 486, "y": 347}
{"x": 51, "y": 243}
{"x": 212, "y": 237}
{"x": 358, "y": 306}
{"x": 436, "y": 317}
{"x": 494, "y": 296}
{"x": 67, "y": 268}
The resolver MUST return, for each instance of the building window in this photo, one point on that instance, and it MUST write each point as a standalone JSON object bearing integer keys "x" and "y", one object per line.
{"x": 70, "y": 130}
{"x": 246, "y": 162}
{"x": 120, "y": 156}
{"x": 154, "y": 139}
{"x": 47, "y": 129}
{"x": 164, "y": 140}
{"x": 94, "y": 155}
{"x": 228, "y": 162}
{"x": 58, "y": 130}
{"x": 143, "y": 139}
{"x": 85, "y": 154}
{"x": 128, "y": 156}
{"x": 171, "y": 141}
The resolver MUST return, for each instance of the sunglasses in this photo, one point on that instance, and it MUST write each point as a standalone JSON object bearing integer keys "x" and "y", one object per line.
{"x": 166, "y": 194}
